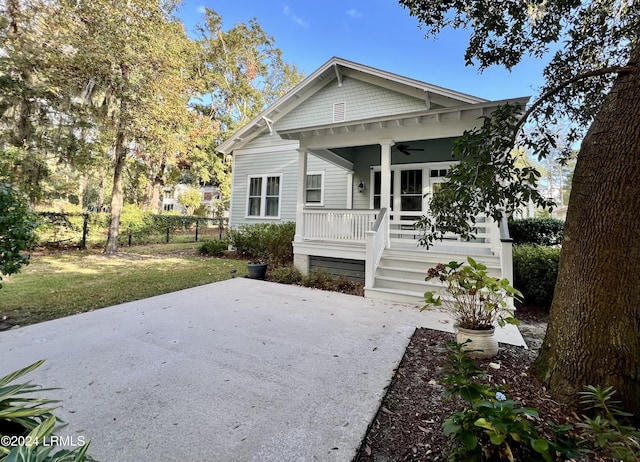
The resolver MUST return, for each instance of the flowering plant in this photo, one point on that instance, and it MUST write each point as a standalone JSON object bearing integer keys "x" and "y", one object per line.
{"x": 475, "y": 299}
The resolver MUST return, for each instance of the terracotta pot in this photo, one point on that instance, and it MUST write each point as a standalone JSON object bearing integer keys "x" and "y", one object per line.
{"x": 484, "y": 340}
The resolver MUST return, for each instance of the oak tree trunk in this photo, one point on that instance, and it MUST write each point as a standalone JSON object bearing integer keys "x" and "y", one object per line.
{"x": 116, "y": 194}
{"x": 593, "y": 335}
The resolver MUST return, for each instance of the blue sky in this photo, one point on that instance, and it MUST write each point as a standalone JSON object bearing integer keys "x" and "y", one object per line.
{"x": 378, "y": 33}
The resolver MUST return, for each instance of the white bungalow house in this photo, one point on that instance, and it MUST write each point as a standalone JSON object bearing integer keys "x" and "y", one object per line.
{"x": 351, "y": 155}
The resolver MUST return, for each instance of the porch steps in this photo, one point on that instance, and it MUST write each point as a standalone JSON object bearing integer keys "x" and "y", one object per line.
{"x": 401, "y": 273}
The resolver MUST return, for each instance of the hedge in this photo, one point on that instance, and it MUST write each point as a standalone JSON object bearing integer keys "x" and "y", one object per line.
{"x": 535, "y": 271}
{"x": 538, "y": 231}
{"x": 272, "y": 242}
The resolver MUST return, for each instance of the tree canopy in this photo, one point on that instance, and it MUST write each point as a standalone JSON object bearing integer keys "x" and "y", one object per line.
{"x": 116, "y": 101}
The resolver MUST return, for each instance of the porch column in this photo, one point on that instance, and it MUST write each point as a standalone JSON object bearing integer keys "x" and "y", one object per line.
{"x": 385, "y": 179}
{"x": 349, "y": 190}
{"x": 300, "y": 200}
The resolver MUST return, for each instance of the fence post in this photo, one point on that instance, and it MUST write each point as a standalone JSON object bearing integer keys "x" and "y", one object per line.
{"x": 129, "y": 237}
{"x": 168, "y": 228}
{"x": 197, "y": 223}
{"x": 85, "y": 231}
{"x": 220, "y": 226}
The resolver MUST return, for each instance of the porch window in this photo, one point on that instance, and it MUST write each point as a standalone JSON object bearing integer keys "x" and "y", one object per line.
{"x": 315, "y": 188}
{"x": 411, "y": 190}
{"x": 264, "y": 196}
{"x": 377, "y": 188}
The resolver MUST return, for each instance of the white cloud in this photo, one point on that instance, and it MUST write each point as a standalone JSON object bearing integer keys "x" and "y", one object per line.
{"x": 202, "y": 10}
{"x": 298, "y": 20}
{"x": 354, "y": 13}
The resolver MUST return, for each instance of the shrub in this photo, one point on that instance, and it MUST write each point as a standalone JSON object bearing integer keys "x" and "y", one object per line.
{"x": 213, "y": 248}
{"x": 318, "y": 279}
{"x": 273, "y": 242}
{"x": 134, "y": 221}
{"x": 322, "y": 279}
{"x": 17, "y": 224}
{"x": 280, "y": 243}
{"x": 539, "y": 231}
{"x": 606, "y": 430}
{"x": 535, "y": 270}
{"x": 286, "y": 275}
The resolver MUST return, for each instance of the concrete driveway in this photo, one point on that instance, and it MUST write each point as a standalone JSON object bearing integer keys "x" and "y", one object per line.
{"x": 239, "y": 370}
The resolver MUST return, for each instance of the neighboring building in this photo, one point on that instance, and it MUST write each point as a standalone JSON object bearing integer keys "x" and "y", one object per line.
{"x": 351, "y": 155}
{"x": 210, "y": 198}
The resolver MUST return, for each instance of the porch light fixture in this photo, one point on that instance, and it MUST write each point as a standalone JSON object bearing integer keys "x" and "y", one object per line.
{"x": 361, "y": 186}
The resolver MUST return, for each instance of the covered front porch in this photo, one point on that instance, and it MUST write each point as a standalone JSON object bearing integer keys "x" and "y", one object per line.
{"x": 387, "y": 193}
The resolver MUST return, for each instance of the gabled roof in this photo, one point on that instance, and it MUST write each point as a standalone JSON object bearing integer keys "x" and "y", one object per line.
{"x": 336, "y": 69}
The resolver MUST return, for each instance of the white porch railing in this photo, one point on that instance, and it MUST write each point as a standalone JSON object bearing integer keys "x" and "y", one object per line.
{"x": 342, "y": 225}
{"x": 403, "y": 228}
{"x": 377, "y": 241}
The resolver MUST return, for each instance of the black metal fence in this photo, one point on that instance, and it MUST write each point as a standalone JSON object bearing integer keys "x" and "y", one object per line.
{"x": 91, "y": 229}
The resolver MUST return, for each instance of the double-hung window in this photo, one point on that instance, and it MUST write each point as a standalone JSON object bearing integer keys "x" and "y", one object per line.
{"x": 264, "y": 196}
{"x": 314, "y": 194}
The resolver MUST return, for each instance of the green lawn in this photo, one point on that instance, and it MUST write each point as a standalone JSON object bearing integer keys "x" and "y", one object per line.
{"x": 65, "y": 283}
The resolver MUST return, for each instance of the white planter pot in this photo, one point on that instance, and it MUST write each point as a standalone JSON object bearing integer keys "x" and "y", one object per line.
{"x": 484, "y": 340}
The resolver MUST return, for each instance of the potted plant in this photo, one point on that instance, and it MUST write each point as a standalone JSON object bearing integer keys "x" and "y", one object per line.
{"x": 257, "y": 268}
{"x": 476, "y": 300}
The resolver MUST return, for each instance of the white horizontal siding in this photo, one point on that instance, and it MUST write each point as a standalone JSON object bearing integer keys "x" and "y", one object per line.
{"x": 283, "y": 162}
{"x": 335, "y": 182}
{"x": 362, "y": 101}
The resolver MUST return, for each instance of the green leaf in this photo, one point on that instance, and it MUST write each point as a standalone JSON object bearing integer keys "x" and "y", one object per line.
{"x": 450, "y": 428}
{"x": 469, "y": 440}
{"x": 540, "y": 445}
{"x": 19, "y": 373}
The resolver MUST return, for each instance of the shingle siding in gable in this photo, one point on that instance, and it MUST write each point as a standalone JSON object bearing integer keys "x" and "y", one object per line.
{"x": 266, "y": 140}
{"x": 363, "y": 101}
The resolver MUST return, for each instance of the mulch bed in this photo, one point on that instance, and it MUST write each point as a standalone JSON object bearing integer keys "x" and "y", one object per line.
{"x": 408, "y": 426}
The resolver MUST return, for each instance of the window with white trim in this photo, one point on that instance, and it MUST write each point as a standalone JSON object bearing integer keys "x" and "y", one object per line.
{"x": 264, "y": 196}
{"x": 314, "y": 192}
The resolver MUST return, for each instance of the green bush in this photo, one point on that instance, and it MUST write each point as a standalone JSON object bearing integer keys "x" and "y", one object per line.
{"x": 213, "y": 248}
{"x": 535, "y": 270}
{"x": 17, "y": 225}
{"x": 286, "y": 275}
{"x": 607, "y": 429}
{"x": 540, "y": 231}
{"x": 134, "y": 221}
{"x": 322, "y": 279}
{"x": 272, "y": 242}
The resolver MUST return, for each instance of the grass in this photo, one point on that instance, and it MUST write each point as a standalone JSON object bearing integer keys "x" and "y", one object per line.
{"x": 65, "y": 283}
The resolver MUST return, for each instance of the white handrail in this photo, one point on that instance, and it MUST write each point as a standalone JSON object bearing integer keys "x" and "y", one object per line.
{"x": 377, "y": 240}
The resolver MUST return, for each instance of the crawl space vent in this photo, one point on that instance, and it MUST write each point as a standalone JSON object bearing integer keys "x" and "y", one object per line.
{"x": 339, "y": 112}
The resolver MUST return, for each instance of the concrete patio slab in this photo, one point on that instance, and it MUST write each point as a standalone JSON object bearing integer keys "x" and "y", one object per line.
{"x": 239, "y": 370}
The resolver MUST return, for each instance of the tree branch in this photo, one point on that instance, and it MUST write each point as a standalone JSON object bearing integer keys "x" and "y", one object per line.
{"x": 555, "y": 90}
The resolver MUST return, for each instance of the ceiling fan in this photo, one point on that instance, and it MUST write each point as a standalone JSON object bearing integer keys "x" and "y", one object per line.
{"x": 405, "y": 149}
